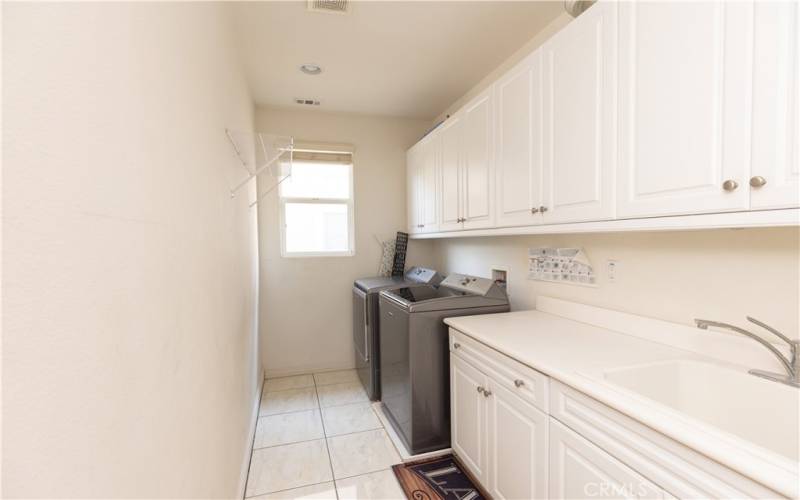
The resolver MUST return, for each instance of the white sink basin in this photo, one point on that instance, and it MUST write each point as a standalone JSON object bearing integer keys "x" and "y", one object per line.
{"x": 760, "y": 411}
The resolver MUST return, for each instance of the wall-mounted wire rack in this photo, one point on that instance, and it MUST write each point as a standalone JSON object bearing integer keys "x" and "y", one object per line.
{"x": 273, "y": 155}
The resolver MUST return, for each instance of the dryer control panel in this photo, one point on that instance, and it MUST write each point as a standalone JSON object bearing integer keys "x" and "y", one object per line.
{"x": 473, "y": 285}
{"x": 423, "y": 275}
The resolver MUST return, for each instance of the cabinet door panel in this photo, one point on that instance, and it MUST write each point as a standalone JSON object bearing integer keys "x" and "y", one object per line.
{"x": 429, "y": 184}
{"x": 412, "y": 189}
{"x": 478, "y": 169}
{"x": 776, "y": 105}
{"x": 684, "y": 97}
{"x": 579, "y": 118}
{"x": 518, "y": 97}
{"x": 517, "y": 447}
{"x": 579, "y": 469}
{"x": 450, "y": 144}
{"x": 468, "y": 417}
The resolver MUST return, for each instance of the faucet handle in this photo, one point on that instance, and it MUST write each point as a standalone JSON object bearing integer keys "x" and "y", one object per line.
{"x": 772, "y": 331}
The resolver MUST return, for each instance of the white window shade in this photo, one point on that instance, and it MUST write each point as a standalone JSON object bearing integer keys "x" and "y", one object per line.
{"x": 317, "y": 180}
{"x": 316, "y": 206}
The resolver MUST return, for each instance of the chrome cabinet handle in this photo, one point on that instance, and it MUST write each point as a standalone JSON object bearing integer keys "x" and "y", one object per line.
{"x": 730, "y": 185}
{"x": 519, "y": 383}
{"x": 543, "y": 209}
{"x": 487, "y": 393}
{"x": 757, "y": 181}
{"x": 534, "y": 210}
{"x": 456, "y": 345}
{"x": 481, "y": 389}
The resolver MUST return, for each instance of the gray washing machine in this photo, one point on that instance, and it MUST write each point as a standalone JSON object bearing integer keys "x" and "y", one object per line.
{"x": 365, "y": 320}
{"x": 415, "y": 366}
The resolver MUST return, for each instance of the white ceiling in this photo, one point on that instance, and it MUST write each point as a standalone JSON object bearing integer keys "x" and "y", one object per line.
{"x": 409, "y": 59}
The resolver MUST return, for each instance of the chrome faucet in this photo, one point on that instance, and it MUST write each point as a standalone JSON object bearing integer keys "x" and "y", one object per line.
{"x": 790, "y": 364}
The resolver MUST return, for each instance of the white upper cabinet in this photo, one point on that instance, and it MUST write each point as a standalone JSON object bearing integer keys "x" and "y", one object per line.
{"x": 450, "y": 143}
{"x": 478, "y": 167}
{"x": 429, "y": 184}
{"x": 413, "y": 185}
{"x": 579, "y": 66}
{"x": 775, "y": 176}
{"x": 685, "y": 72}
{"x": 634, "y": 110}
{"x": 465, "y": 141}
{"x": 518, "y": 133}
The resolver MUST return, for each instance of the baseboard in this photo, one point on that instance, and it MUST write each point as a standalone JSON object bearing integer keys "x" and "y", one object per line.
{"x": 288, "y": 372}
{"x": 251, "y": 435}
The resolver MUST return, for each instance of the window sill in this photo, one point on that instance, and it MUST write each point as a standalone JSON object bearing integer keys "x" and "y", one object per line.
{"x": 306, "y": 255}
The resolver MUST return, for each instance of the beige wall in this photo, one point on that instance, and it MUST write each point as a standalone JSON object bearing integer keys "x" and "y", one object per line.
{"x": 676, "y": 276}
{"x": 306, "y": 308}
{"x": 129, "y": 343}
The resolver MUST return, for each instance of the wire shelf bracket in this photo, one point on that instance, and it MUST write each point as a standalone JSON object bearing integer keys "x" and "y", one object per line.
{"x": 271, "y": 152}
{"x": 272, "y": 188}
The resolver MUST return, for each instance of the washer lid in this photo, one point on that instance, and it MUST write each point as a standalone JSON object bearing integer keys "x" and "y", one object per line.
{"x": 378, "y": 283}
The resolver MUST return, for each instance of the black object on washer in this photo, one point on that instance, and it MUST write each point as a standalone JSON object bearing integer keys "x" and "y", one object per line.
{"x": 366, "y": 319}
{"x": 415, "y": 363}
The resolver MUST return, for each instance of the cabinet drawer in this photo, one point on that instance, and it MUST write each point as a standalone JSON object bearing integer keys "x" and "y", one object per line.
{"x": 521, "y": 380}
{"x": 674, "y": 467}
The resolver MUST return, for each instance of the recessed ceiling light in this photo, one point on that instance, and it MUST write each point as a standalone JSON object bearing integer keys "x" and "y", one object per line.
{"x": 310, "y": 69}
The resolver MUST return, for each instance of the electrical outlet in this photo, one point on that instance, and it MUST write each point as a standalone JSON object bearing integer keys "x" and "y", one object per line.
{"x": 612, "y": 268}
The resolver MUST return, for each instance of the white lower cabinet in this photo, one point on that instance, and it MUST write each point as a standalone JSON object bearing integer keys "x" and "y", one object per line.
{"x": 498, "y": 436}
{"x": 517, "y": 441}
{"x": 523, "y": 435}
{"x": 579, "y": 469}
{"x": 468, "y": 421}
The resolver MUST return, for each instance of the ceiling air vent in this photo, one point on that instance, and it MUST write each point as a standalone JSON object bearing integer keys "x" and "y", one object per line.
{"x": 306, "y": 102}
{"x": 334, "y": 6}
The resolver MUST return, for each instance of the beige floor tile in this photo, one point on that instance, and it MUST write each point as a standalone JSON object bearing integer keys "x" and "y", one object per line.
{"x": 351, "y": 418}
{"x": 337, "y": 377}
{"x": 288, "y": 466}
{"x": 273, "y": 403}
{"x": 322, "y": 491}
{"x": 286, "y": 383}
{"x": 360, "y": 453}
{"x": 288, "y": 428}
{"x": 342, "y": 394}
{"x": 374, "y": 486}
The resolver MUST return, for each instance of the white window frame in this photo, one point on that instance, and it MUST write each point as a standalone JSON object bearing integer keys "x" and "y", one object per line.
{"x": 350, "y": 202}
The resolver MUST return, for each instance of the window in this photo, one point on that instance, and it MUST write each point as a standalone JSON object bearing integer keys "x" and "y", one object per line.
{"x": 316, "y": 206}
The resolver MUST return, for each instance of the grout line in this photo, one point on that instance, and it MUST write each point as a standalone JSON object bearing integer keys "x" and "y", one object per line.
{"x": 288, "y": 412}
{"x": 323, "y": 482}
{"x": 318, "y": 407}
{"x": 290, "y": 489}
{"x": 255, "y": 433}
{"x": 363, "y": 474}
{"x": 265, "y": 391}
{"x": 327, "y": 448}
{"x": 325, "y": 436}
{"x": 346, "y": 404}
